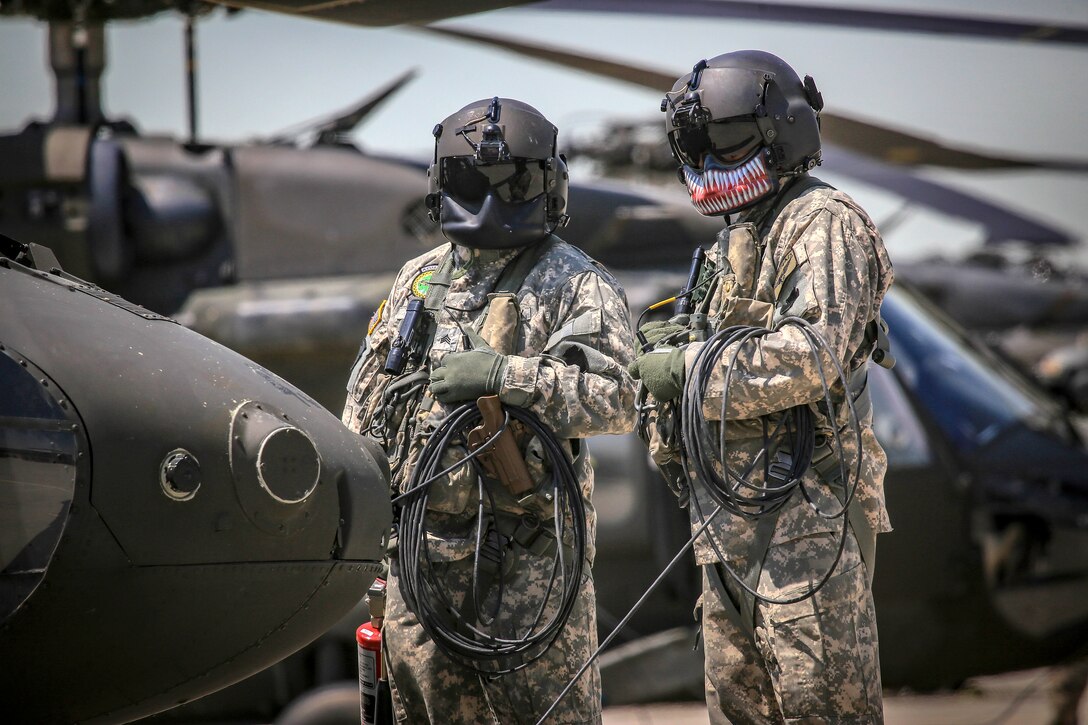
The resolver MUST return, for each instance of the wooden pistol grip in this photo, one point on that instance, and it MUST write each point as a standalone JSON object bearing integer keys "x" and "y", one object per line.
{"x": 506, "y": 459}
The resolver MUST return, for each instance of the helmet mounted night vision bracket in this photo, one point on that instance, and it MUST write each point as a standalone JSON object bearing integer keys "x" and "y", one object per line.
{"x": 492, "y": 147}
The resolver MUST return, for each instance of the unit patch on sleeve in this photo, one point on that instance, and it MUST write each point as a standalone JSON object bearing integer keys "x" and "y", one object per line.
{"x": 422, "y": 281}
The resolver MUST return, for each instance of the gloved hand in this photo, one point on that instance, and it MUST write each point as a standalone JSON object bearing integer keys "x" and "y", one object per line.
{"x": 662, "y": 372}
{"x": 470, "y": 374}
{"x": 658, "y": 330}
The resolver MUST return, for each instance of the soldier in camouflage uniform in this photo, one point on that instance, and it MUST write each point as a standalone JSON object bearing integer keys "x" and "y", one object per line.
{"x": 745, "y": 129}
{"x": 558, "y": 344}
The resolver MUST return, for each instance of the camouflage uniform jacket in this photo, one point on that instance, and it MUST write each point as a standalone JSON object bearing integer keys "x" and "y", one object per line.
{"x": 570, "y": 344}
{"x": 822, "y": 259}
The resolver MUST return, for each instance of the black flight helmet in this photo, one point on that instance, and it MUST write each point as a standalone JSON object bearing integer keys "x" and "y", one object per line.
{"x": 497, "y": 181}
{"x": 738, "y": 124}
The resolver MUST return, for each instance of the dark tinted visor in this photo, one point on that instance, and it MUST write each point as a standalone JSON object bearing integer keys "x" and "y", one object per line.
{"x": 729, "y": 141}
{"x": 466, "y": 179}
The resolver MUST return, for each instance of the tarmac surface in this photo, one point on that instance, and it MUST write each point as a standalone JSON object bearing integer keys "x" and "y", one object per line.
{"x": 1018, "y": 698}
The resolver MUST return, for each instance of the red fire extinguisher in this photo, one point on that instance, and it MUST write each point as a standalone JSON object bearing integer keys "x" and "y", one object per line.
{"x": 375, "y": 699}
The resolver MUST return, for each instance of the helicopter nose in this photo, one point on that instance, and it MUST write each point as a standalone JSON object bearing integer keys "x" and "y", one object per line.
{"x": 190, "y": 515}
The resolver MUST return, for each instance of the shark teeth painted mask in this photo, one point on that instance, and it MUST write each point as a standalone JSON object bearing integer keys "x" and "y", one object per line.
{"x": 717, "y": 190}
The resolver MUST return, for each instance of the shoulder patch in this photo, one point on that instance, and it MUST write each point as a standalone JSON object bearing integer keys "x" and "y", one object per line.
{"x": 375, "y": 318}
{"x": 794, "y": 259}
{"x": 422, "y": 281}
{"x": 786, "y": 269}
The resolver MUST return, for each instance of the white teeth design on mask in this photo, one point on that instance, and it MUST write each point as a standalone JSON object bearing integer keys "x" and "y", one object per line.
{"x": 722, "y": 191}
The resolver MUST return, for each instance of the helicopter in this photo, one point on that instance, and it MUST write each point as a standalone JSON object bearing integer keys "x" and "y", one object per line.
{"x": 144, "y": 506}
{"x": 270, "y": 302}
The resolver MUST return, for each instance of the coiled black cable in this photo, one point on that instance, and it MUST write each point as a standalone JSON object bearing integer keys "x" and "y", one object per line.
{"x": 479, "y": 637}
{"x": 736, "y": 492}
{"x": 755, "y": 500}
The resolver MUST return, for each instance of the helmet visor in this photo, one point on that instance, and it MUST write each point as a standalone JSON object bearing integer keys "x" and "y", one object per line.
{"x": 730, "y": 141}
{"x": 469, "y": 180}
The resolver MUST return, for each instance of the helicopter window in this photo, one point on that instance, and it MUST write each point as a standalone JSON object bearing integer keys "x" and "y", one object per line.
{"x": 972, "y": 399}
{"x": 513, "y": 181}
{"x": 896, "y": 426}
{"x": 38, "y": 450}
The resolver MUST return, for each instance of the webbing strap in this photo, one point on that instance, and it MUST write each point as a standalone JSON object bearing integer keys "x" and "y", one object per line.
{"x": 828, "y": 466}
{"x": 439, "y": 284}
{"x": 798, "y": 186}
{"x": 513, "y": 277}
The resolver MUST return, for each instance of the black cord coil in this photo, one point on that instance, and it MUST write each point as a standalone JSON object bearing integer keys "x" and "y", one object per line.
{"x": 479, "y": 636}
{"x": 736, "y": 492}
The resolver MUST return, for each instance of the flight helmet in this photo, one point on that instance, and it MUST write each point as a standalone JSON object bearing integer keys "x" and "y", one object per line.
{"x": 497, "y": 181}
{"x": 738, "y": 125}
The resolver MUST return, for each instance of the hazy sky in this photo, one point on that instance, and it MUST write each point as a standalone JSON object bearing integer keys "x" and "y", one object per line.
{"x": 261, "y": 73}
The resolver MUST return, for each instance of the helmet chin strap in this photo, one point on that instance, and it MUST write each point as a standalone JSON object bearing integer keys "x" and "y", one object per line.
{"x": 716, "y": 190}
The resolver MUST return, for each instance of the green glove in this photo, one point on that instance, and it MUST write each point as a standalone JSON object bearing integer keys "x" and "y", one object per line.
{"x": 470, "y": 374}
{"x": 658, "y": 330}
{"x": 662, "y": 372}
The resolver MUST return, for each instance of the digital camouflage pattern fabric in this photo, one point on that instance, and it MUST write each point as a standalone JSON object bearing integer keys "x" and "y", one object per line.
{"x": 822, "y": 260}
{"x": 814, "y": 661}
{"x": 569, "y": 335}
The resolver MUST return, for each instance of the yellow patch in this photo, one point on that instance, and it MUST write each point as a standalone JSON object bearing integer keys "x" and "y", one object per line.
{"x": 422, "y": 282}
{"x": 789, "y": 264}
{"x": 375, "y": 318}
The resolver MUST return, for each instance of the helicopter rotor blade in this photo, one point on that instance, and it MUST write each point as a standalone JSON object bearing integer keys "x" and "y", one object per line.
{"x": 880, "y": 142}
{"x": 940, "y": 24}
{"x": 369, "y": 14}
{"x": 906, "y": 149}
{"x": 425, "y": 11}
{"x": 999, "y": 222}
{"x": 347, "y": 120}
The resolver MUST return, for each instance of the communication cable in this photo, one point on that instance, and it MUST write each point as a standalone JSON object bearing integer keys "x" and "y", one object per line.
{"x": 472, "y": 635}
{"x": 742, "y": 497}
{"x": 737, "y": 493}
{"x": 627, "y": 617}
